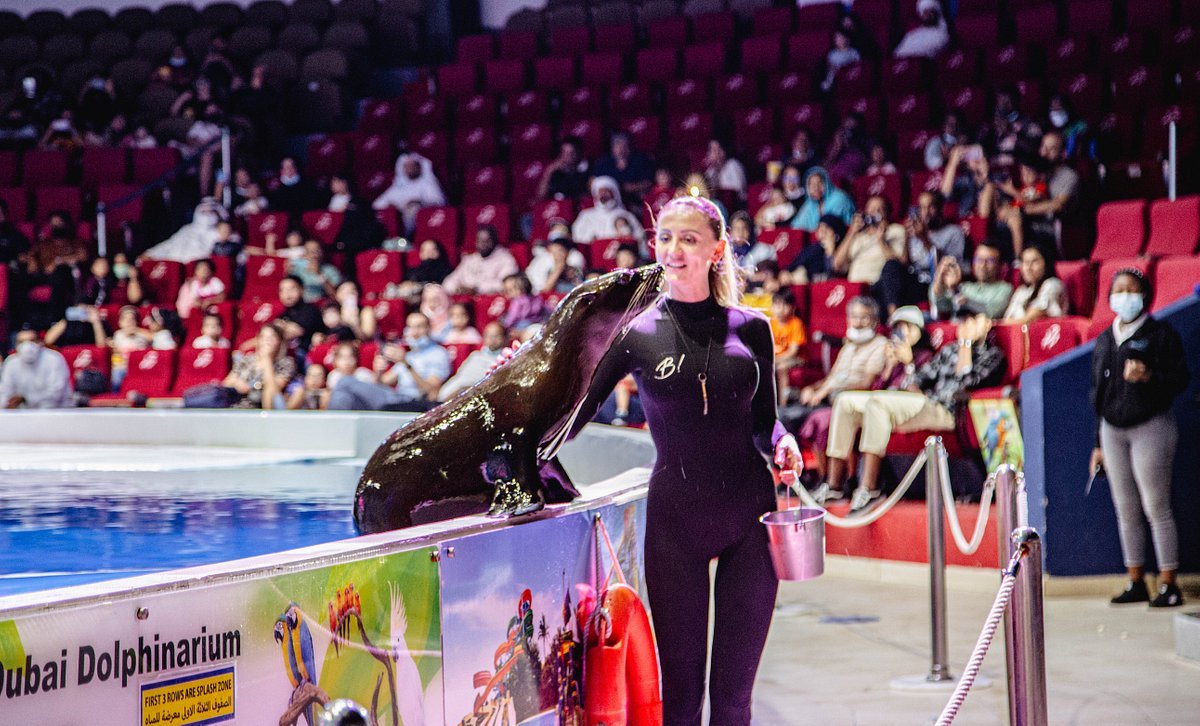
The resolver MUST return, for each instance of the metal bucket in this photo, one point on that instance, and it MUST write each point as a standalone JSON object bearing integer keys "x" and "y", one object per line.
{"x": 797, "y": 542}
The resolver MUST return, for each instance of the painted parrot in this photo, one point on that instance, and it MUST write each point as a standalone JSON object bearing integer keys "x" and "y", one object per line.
{"x": 296, "y": 644}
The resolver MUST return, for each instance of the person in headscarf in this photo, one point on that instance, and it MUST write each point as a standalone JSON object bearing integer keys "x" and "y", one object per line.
{"x": 823, "y": 198}
{"x": 815, "y": 262}
{"x": 600, "y": 221}
{"x": 195, "y": 240}
{"x": 413, "y": 187}
{"x": 930, "y": 37}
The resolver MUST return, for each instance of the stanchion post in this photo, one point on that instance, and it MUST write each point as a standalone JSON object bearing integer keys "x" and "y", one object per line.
{"x": 101, "y": 231}
{"x": 1027, "y": 686}
{"x": 939, "y": 669}
{"x": 1006, "y": 523}
{"x": 227, "y": 167}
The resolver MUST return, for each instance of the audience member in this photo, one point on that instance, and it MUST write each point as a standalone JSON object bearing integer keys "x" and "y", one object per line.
{"x": 933, "y": 397}
{"x": 970, "y": 189}
{"x": 566, "y": 177}
{"x": 952, "y": 297}
{"x": 1012, "y": 218}
{"x": 195, "y": 240}
{"x": 722, "y": 171}
{"x": 599, "y": 221}
{"x": 433, "y": 265}
{"x": 318, "y": 277}
{"x": 802, "y": 155}
{"x": 846, "y": 158}
{"x": 524, "y": 308}
{"x": 1041, "y": 294}
{"x": 261, "y": 377}
{"x": 435, "y": 306}
{"x": 631, "y": 169}
{"x": 871, "y": 241}
{"x": 212, "y": 333}
{"x": 747, "y": 251}
{"x": 476, "y": 366}
{"x": 790, "y": 338}
{"x": 414, "y": 187}
{"x": 483, "y": 271}
{"x": 200, "y": 290}
{"x": 165, "y": 328}
{"x": 13, "y": 243}
{"x": 929, "y": 38}
{"x": 823, "y": 198}
{"x": 313, "y": 394}
{"x": 81, "y": 326}
{"x": 879, "y": 162}
{"x": 461, "y": 329}
{"x": 101, "y": 286}
{"x": 35, "y": 376}
{"x": 908, "y": 348}
{"x": 556, "y": 267}
{"x": 42, "y": 286}
{"x": 345, "y": 364}
{"x": 841, "y": 54}
{"x": 1061, "y": 200}
{"x": 937, "y": 149}
{"x": 1061, "y": 119}
{"x": 299, "y": 319}
{"x": 408, "y": 377}
{"x": 129, "y": 336}
{"x": 290, "y": 192}
{"x": 815, "y": 262}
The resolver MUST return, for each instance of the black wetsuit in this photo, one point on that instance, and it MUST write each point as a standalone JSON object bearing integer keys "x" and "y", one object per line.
{"x": 711, "y": 482}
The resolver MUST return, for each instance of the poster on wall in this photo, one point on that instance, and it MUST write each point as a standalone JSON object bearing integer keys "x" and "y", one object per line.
{"x": 999, "y": 434}
{"x": 511, "y": 643}
{"x": 267, "y": 651}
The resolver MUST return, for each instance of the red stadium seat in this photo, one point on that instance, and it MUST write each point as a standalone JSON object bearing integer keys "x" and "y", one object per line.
{"x": 104, "y": 166}
{"x": 968, "y": 101}
{"x": 590, "y": 134}
{"x": 1069, "y": 57}
{"x": 602, "y": 253}
{"x": 529, "y": 141}
{"x": 459, "y": 353}
{"x": 497, "y": 216}
{"x": 517, "y": 45}
{"x": 1120, "y": 230}
{"x": 582, "y": 103}
{"x": 476, "y": 48}
{"x": 376, "y": 270}
{"x": 43, "y": 167}
{"x": 904, "y": 75}
{"x": 150, "y": 164}
{"x": 887, "y": 186}
{"x": 761, "y": 54}
{"x": 328, "y": 155}
{"x": 49, "y": 199}
{"x": 1138, "y": 87}
{"x": 263, "y": 273}
{"x": 709, "y": 27}
{"x": 789, "y": 88}
{"x": 381, "y": 116}
{"x": 456, "y": 81}
{"x": 1174, "y": 227}
{"x": 527, "y": 107}
{"x": 1102, "y": 314}
{"x": 807, "y": 49}
{"x": 258, "y": 226}
{"x": 670, "y": 32}
{"x": 909, "y": 112}
{"x": 477, "y": 145}
{"x": 601, "y": 69}
{"x": 390, "y": 219}
{"x": 910, "y": 148}
{"x": 808, "y": 116}
{"x": 829, "y": 301}
{"x": 546, "y": 211}
{"x": 252, "y": 315}
{"x": 1038, "y": 24}
{"x": 198, "y": 366}
{"x": 787, "y": 242}
{"x": 10, "y": 166}
{"x": 631, "y": 99}
{"x": 161, "y": 280}
{"x": 226, "y": 311}
{"x": 322, "y": 225}
{"x": 1089, "y": 17}
{"x": 486, "y": 185}
{"x": 570, "y": 41}
{"x": 1174, "y": 279}
{"x": 526, "y": 178}
{"x": 980, "y": 31}
{"x": 489, "y": 308}
{"x": 855, "y": 80}
{"x": 735, "y": 90}
{"x": 1011, "y": 339}
{"x": 87, "y": 357}
{"x": 17, "y": 201}
{"x": 690, "y": 131}
{"x": 1076, "y": 276}
{"x": 130, "y": 211}
{"x": 656, "y": 65}
{"x": 438, "y": 223}
{"x": 687, "y": 96}
{"x": 426, "y": 115}
{"x": 959, "y": 68}
{"x": 644, "y": 131}
{"x": 774, "y": 22}
{"x": 389, "y": 319}
{"x": 373, "y": 153}
{"x": 703, "y": 60}
{"x": 1050, "y": 337}
{"x": 555, "y": 72}
{"x": 151, "y": 373}
{"x": 753, "y": 127}
{"x": 941, "y": 333}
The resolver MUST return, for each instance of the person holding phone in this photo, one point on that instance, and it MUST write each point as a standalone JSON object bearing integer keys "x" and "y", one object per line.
{"x": 1138, "y": 368}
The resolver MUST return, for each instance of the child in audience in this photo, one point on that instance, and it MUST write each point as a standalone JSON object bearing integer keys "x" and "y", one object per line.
{"x": 790, "y": 337}
{"x": 211, "y": 333}
{"x": 313, "y": 395}
{"x": 462, "y": 327}
{"x": 127, "y": 338}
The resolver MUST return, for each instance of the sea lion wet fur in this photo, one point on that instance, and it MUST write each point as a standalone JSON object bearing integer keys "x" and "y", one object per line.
{"x": 493, "y": 445}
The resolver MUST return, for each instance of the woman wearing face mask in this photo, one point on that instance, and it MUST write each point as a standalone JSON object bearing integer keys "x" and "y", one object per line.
{"x": 1138, "y": 368}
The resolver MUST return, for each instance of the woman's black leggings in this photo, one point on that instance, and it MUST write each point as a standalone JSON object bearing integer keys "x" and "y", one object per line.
{"x": 677, "y": 579}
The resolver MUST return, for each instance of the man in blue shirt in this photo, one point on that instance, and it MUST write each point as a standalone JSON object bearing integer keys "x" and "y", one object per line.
{"x": 407, "y": 377}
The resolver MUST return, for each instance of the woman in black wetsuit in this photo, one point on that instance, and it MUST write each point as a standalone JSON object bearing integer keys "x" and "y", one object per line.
{"x": 705, "y": 373}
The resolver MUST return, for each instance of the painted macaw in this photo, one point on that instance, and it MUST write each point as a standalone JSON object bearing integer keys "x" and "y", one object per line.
{"x": 296, "y": 645}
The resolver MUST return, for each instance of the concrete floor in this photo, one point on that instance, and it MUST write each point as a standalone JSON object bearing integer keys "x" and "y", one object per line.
{"x": 837, "y": 641}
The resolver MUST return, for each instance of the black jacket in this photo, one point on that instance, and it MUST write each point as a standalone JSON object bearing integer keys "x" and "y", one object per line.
{"x": 1123, "y": 404}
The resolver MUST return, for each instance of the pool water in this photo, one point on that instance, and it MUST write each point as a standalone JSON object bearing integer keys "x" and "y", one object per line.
{"x": 60, "y": 528}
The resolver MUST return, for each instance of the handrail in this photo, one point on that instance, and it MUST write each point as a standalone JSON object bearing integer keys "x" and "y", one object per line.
{"x": 102, "y": 208}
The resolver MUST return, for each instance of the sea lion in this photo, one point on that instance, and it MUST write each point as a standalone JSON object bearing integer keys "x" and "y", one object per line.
{"x": 496, "y": 441}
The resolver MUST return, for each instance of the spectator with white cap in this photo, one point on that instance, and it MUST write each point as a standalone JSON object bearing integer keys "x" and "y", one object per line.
{"x": 929, "y": 38}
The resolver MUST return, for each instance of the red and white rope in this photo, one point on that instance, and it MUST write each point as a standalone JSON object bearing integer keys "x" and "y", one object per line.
{"x": 985, "y": 641}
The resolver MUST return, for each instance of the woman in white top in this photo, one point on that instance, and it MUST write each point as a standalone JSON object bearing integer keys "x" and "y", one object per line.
{"x": 722, "y": 171}
{"x": 1041, "y": 294}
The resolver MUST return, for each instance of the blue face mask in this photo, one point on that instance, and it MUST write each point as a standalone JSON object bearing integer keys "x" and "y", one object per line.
{"x": 1127, "y": 305}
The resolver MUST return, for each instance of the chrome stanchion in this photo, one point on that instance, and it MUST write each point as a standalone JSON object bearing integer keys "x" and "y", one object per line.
{"x": 938, "y": 677}
{"x": 1007, "y": 521}
{"x": 101, "y": 231}
{"x": 1028, "y": 678}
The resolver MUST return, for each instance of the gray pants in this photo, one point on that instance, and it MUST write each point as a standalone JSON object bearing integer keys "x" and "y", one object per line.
{"x": 351, "y": 394}
{"x": 1138, "y": 460}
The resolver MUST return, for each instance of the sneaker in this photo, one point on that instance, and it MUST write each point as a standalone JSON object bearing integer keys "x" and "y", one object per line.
{"x": 862, "y": 498}
{"x": 1134, "y": 592}
{"x": 1168, "y": 596}
{"x": 824, "y": 494}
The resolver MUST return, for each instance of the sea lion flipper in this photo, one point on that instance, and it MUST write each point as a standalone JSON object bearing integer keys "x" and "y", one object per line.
{"x": 516, "y": 485}
{"x": 556, "y": 483}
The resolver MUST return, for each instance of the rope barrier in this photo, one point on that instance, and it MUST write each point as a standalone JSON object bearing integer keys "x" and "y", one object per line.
{"x": 985, "y": 504}
{"x": 863, "y": 521}
{"x": 950, "y": 712}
